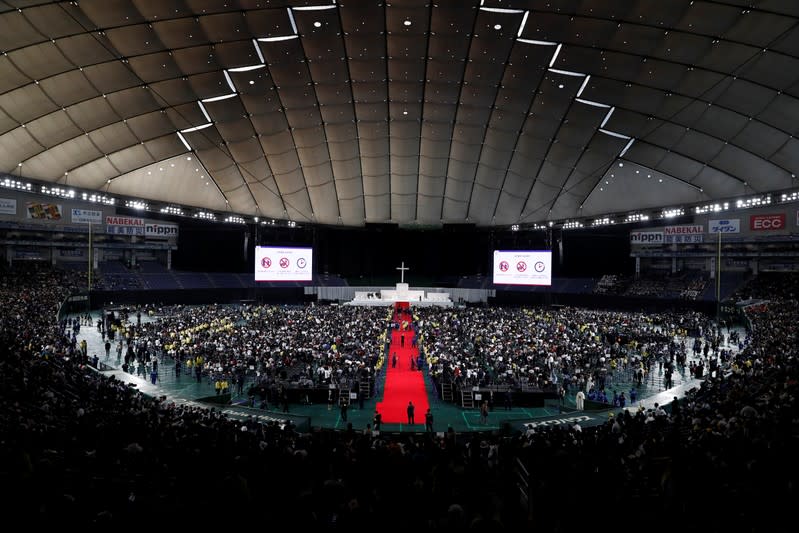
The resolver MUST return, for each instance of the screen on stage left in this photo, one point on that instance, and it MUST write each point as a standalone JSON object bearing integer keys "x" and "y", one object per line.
{"x": 522, "y": 267}
{"x": 283, "y": 264}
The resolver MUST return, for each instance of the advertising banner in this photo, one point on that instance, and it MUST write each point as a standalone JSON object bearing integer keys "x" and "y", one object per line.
{"x": 684, "y": 234}
{"x": 8, "y": 206}
{"x": 161, "y": 230}
{"x": 729, "y": 225}
{"x": 86, "y": 216}
{"x": 767, "y": 222}
{"x": 646, "y": 237}
{"x": 44, "y": 211}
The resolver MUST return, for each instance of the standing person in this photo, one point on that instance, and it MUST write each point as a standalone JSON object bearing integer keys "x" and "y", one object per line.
{"x": 107, "y": 349}
{"x": 410, "y": 410}
{"x": 428, "y": 421}
{"x": 377, "y": 420}
{"x": 344, "y": 406}
{"x": 580, "y": 400}
{"x": 484, "y": 412}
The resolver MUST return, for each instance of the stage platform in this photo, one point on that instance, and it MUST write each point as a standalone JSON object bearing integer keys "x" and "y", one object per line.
{"x": 401, "y": 293}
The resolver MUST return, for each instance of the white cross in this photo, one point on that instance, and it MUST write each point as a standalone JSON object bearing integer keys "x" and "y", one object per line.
{"x": 402, "y": 268}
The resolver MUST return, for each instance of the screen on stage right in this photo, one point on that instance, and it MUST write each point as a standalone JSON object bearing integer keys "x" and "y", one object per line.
{"x": 522, "y": 267}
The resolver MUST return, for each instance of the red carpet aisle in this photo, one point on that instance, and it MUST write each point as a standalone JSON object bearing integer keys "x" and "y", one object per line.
{"x": 403, "y": 385}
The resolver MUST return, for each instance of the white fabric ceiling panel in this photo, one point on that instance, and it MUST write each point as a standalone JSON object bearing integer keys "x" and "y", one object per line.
{"x": 246, "y": 150}
{"x": 111, "y": 76}
{"x": 113, "y": 138}
{"x": 16, "y": 32}
{"x": 39, "y": 61}
{"x": 197, "y": 60}
{"x": 130, "y": 159}
{"x": 783, "y": 113}
{"x": 68, "y": 88}
{"x": 788, "y": 156}
{"x": 26, "y": 103}
{"x": 766, "y": 176}
{"x": 93, "y": 175}
{"x": 156, "y": 67}
{"x": 236, "y": 130}
{"x": 92, "y": 114}
{"x": 17, "y": 146}
{"x": 151, "y": 125}
{"x": 135, "y": 101}
{"x": 10, "y": 76}
{"x": 760, "y": 139}
{"x": 86, "y": 49}
{"x": 55, "y": 128}
{"x": 170, "y": 185}
{"x": 164, "y": 147}
{"x": 51, "y": 164}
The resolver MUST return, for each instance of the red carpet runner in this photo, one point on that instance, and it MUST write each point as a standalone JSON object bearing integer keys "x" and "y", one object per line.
{"x": 403, "y": 385}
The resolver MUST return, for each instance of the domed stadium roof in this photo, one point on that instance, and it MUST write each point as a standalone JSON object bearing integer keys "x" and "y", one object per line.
{"x": 492, "y": 112}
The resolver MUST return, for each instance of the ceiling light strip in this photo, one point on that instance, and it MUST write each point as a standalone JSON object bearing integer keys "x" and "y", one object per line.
{"x": 202, "y": 108}
{"x": 501, "y": 10}
{"x": 540, "y": 43}
{"x": 628, "y": 147}
{"x": 246, "y": 69}
{"x": 614, "y": 134}
{"x": 607, "y": 117}
{"x": 591, "y": 102}
{"x": 291, "y": 19}
{"x": 184, "y": 141}
{"x": 229, "y": 81}
{"x": 258, "y": 51}
{"x": 314, "y": 8}
{"x": 196, "y": 128}
{"x": 276, "y": 39}
{"x": 582, "y": 87}
{"x": 555, "y": 55}
{"x": 567, "y": 72}
{"x": 218, "y": 98}
{"x": 521, "y": 26}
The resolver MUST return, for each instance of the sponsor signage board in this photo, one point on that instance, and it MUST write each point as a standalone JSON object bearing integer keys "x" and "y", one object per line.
{"x": 44, "y": 211}
{"x": 728, "y": 225}
{"x": 646, "y": 237}
{"x": 86, "y": 216}
{"x": 684, "y": 234}
{"x": 767, "y": 222}
{"x": 8, "y": 206}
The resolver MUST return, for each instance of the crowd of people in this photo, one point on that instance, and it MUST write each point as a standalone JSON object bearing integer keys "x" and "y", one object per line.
{"x": 81, "y": 448}
{"x": 569, "y": 348}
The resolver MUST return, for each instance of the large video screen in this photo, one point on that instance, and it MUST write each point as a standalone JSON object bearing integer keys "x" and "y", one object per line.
{"x": 522, "y": 267}
{"x": 283, "y": 264}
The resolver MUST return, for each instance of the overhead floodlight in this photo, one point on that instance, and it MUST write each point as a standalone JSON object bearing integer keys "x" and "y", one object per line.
{"x": 247, "y": 68}
{"x": 196, "y": 128}
{"x": 555, "y": 55}
{"x": 276, "y": 39}
{"x": 218, "y": 98}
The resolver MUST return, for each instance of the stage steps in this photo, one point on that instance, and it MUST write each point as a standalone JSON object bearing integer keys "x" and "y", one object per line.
{"x": 446, "y": 392}
{"x": 467, "y": 399}
{"x": 365, "y": 388}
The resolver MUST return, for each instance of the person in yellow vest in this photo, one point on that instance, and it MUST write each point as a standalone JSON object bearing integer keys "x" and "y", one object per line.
{"x": 218, "y": 386}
